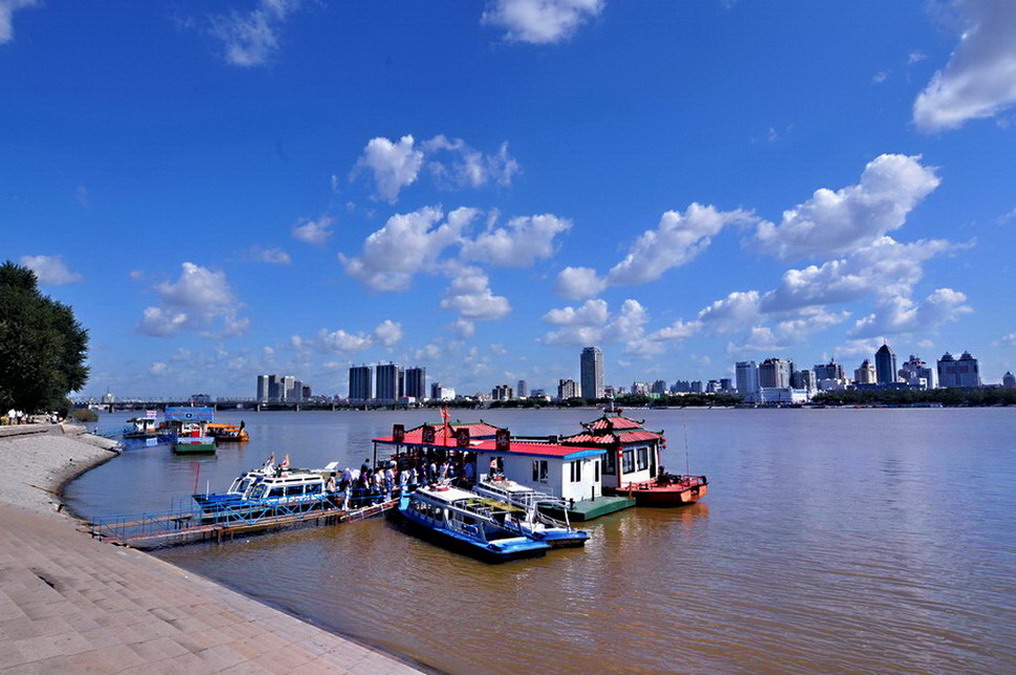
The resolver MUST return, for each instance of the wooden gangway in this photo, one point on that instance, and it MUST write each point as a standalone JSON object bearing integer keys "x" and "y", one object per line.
{"x": 191, "y": 524}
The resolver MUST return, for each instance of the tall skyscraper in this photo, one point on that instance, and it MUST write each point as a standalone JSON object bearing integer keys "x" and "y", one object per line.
{"x": 416, "y": 383}
{"x": 262, "y": 396}
{"x": 961, "y": 372}
{"x": 775, "y": 373}
{"x": 746, "y": 377}
{"x": 591, "y": 372}
{"x": 388, "y": 380}
{"x": 276, "y": 389}
{"x": 885, "y": 365}
{"x": 361, "y": 383}
{"x": 522, "y": 389}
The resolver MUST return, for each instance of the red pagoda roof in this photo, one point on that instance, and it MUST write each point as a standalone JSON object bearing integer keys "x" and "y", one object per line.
{"x": 612, "y": 429}
{"x": 613, "y": 423}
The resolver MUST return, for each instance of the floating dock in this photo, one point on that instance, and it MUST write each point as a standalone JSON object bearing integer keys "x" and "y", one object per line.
{"x": 588, "y": 509}
{"x": 184, "y": 526}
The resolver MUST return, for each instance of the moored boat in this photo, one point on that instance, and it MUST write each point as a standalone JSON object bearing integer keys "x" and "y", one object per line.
{"x": 668, "y": 490}
{"x": 271, "y": 486}
{"x": 532, "y": 521}
{"x": 229, "y": 433}
{"x": 632, "y": 466}
{"x": 465, "y": 522}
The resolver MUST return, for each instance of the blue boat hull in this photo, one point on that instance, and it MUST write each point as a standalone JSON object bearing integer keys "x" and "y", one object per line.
{"x": 489, "y": 553}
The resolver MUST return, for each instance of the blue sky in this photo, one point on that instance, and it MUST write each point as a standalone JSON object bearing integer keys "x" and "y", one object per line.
{"x": 233, "y": 187}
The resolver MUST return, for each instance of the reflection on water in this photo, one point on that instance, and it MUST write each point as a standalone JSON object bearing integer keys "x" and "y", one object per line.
{"x": 830, "y": 540}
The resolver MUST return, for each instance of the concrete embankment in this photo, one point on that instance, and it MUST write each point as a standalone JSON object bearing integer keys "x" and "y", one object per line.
{"x": 69, "y": 603}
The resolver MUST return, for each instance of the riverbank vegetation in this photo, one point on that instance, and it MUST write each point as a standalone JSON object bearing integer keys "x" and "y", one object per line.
{"x": 42, "y": 346}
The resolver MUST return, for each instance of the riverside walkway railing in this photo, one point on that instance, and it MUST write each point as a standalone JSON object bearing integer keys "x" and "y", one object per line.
{"x": 185, "y": 523}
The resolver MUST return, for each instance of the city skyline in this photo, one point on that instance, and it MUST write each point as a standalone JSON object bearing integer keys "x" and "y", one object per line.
{"x": 300, "y": 187}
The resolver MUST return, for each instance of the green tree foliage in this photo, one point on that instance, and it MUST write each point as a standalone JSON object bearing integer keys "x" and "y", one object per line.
{"x": 42, "y": 346}
{"x": 952, "y": 396}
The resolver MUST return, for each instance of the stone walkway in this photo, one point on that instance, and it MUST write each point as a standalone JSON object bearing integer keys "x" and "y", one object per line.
{"x": 69, "y": 604}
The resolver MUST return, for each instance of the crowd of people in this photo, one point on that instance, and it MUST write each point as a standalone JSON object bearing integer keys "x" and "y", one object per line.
{"x": 373, "y": 484}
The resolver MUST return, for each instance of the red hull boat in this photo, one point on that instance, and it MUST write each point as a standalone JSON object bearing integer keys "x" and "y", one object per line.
{"x": 666, "y": 490}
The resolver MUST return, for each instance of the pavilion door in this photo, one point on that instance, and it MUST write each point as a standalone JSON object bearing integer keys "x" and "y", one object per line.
{"x": 652, "y": 460}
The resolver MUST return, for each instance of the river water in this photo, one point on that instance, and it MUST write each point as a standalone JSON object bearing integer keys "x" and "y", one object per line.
{"x": 833, "y": 540}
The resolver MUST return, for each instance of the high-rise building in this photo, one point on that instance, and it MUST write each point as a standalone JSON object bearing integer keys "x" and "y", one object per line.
{"x": 567, "y": 389}
{"x": 775, "y": 373}
{"x": 591, "y": 373}
{"x": 1009, "y": 380}
{"x": 726, "y": 385}
{"x": 502, "y": 392}
{"x": 361, "y": 383}
{"x": 865, "y": 374}
{"x": 803, "y": 379}
{"x": 746, "y": 377}
{"x": 961, "y": 372}
{"x": 522, "y": 389}
{"x": 388, "y": 381}
{"x": 829, "y": 371}
{"x": 262, "y": 396}
{"x": 659, "y": 387}
{"x": 917, "y": 373}
{"x": 276, "y": 389}
{"x": 695, "y": 387}
{"x": 885, "y": 365}
{"x": 416, "y": 383}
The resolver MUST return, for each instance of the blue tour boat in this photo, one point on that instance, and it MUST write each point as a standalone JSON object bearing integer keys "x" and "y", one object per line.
{"x": 466, "y": 522}
{"x": 272, "y": 487}
{"x": 531, "y": 521}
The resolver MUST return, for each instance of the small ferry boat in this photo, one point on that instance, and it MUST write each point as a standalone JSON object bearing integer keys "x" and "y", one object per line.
{"x": 632, "y": 466}
{"x": 229, "y": 433}
{"x": 141, "y": 427}
{"x": 468, "y": 523}
{"x": 190, "y": 440}
{"x": 533, "y": 522}
{"x": 271, "y": 486}
{"x": 667, "y": 489}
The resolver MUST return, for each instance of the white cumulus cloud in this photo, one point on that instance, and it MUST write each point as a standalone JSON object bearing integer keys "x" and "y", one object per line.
{"x": 408, "y": 243}
{"x": 540, "y": 21}
{"x": 393, "y": 165}
{"x": 980, "y": 79}
{"x": 464, "y": 166}
{"x": 577, "y": 283}
{"x": 903, "y": 315}
{"x": 470, "y": 295}
{"x": 50, "y": 269}
{"x": 197, "y": 299}
{"x": 832, "y": 223}
{"x": 388, "y": 333}
{"x": 7, "y": 9}
{"x": 677, "y": 239}
{"x": 522, "y": 242}
{"x": 314, "y": 232}
{"x": 592, "y": 323}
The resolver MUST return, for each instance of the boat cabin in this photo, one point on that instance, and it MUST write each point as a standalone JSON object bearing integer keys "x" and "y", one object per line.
{"x": 569, "y": 472}
{"x": 632, "y": 454}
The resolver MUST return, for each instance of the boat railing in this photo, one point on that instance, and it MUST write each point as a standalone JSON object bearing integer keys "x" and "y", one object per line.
{"x": 531, "y": 501}
{"x": 182, "y": 516}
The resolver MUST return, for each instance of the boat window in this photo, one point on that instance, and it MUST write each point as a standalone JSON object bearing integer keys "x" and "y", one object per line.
{"x": 295, "y": 490}
{"x": 314, "y": 488}
{"x": 277, "y": 492}
{"x": 643, "y": 458}
{"x": 628, "y": 461}
{"x": 258, "y": 492}
{"x": 610, "y": 463}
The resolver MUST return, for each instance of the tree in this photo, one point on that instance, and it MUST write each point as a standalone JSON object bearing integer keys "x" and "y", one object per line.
{"x": 42, "y": 346}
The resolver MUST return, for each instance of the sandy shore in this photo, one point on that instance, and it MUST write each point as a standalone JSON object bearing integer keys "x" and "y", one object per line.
{"x": 39, "y": 459}
{"x": 69, "y": 603}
